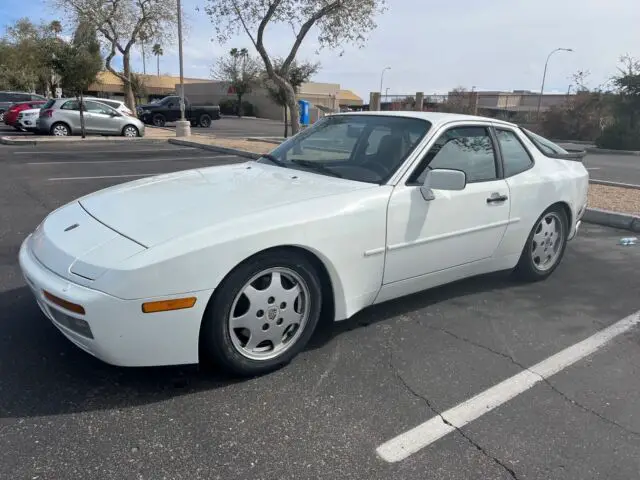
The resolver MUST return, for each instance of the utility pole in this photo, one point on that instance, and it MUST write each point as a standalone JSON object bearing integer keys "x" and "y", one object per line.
{"x": 183, "y": 127}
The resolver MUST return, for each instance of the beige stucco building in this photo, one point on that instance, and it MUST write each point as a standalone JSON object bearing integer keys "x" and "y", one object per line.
{"x": 321, "y": 96}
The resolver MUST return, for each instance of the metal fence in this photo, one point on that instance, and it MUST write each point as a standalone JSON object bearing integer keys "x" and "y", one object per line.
{"x": 516, "y": 107}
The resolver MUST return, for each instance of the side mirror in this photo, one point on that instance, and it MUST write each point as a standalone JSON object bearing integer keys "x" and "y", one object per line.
{"x": 442, "y": 179}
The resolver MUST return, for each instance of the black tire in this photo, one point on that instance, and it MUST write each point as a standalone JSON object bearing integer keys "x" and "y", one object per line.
{"x": 527, "y": 269}
{"x": 158, "y": 120}
{"x": 216, "y": 346}
{"x": 1, "y": 116}
{"x": 204, "y": 121}
{"x": 60, "y": 127}
{"x": 130, "y": 128}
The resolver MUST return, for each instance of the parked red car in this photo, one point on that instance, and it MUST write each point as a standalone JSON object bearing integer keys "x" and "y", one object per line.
{"x": 11, "y": 115}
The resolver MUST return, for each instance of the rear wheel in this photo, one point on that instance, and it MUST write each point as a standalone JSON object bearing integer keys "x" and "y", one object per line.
{"x": 130, "y": 131}
{"x": 60, "y": 130}
{"x": 205, "y": 120}
{"x": 262, "y": 315}
{"x": 545, "y": 246}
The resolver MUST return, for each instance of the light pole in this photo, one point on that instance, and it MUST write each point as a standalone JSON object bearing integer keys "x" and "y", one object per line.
{"x": 382, "y": 77}
{"x": 544, "y": 76}
{"x": 183, "y": 127}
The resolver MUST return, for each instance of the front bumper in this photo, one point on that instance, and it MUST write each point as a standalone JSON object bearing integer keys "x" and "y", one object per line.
{"x": 121, "y": 334}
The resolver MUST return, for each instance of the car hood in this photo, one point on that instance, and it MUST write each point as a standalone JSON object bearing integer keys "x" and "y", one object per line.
{"x": 158, "y": 209}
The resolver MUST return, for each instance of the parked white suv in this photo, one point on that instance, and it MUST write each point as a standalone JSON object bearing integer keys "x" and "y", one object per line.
{"x": 115, "y": 104}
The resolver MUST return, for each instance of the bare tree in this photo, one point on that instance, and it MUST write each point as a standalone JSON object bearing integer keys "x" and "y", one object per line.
{"x": 240, "y": 70}
{"x": 337, "y": 21}
{"x": 122, "y": 24}
{"x": 297, "y": 74}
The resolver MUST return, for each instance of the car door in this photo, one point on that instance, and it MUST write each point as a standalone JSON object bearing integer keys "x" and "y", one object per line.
{"x": 172, "y": 109}
{"x": 455, "y": 227}
{"x": 101, "y": 118}
{"x": 69, "y": 113}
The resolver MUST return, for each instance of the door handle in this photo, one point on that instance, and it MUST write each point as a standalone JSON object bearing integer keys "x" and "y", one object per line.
{"x": 497, "y": 198}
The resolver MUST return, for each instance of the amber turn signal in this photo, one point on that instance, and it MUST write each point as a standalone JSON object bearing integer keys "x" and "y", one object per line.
{"x": 167, "y": 305}
{"x": 72, "y": 307}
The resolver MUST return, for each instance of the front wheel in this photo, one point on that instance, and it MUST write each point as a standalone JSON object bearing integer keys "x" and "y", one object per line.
{"x": 1, "y": 115}
{"x": 262, "y": 315}
{"x": 158, "y": 120}
{"x": 545, "y": 246}
{"x": 130, "y": 131}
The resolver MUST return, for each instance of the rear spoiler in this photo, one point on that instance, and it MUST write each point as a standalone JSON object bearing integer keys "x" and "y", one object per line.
{"x": 572, "y": 155}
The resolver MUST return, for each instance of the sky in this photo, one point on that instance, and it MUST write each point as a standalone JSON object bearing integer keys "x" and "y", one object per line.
{"x": 432, "y": 45}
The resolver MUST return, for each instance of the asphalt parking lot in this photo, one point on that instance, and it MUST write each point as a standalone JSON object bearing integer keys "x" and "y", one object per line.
{"x": 361, "y": 383}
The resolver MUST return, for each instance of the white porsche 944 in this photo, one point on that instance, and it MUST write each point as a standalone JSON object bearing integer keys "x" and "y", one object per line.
{"x": 235, "y": 264}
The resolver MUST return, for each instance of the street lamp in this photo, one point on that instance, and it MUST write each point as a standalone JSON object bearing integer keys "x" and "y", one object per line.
{"x": 544, "y": 75}
{"x": 382, "y": 77}
{"x": 183, "y": 127}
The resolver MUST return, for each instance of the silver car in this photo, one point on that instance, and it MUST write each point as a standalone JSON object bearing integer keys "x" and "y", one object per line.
{"x": 61, "y": 117}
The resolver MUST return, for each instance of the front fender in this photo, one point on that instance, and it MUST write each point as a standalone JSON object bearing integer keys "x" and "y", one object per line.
{"x": 342, "y": 231}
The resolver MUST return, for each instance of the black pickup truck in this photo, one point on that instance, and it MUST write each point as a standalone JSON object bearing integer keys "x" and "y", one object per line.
{"x": 167, "y": 109}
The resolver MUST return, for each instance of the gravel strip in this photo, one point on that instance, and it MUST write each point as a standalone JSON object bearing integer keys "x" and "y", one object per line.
{"x": 615, "y": 199}
{"x": 256, "y": 147}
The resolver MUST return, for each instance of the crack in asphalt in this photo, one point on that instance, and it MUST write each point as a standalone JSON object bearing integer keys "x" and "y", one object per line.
{"x": 429, "y": 405}
{"x": 545, "y": 380}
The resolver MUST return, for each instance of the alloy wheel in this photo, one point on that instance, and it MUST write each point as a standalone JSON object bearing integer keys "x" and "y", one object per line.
{"x": 269, "y": 313}
{"x": 547, "y": 241}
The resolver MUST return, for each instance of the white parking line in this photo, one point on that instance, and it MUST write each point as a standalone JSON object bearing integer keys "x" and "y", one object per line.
{"x": 457, "y": 417}
{"x": 593, "y": 168}
{"x": 79, "y": 150}
{"x": 135, "y": 160}
{"x": 56, "y": 179}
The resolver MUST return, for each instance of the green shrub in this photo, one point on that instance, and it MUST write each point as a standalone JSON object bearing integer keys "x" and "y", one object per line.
{"x": 229, "y": 106}
{"x": 618, "y": 136}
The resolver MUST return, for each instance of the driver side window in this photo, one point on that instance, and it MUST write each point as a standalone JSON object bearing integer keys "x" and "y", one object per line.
{"x": 469, "y": 149}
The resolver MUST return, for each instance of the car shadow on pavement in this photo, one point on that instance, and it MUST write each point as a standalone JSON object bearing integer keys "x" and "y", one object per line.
{"x": 42, "y": 373}
{"x": 327, "y": 330}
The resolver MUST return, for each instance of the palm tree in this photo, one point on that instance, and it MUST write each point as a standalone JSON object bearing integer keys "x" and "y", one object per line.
{"x": 157, "y": 51}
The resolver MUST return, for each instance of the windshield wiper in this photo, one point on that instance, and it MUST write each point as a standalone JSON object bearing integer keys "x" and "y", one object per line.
{"x": 317, "y": 167}
{"x": 273, "y": 159}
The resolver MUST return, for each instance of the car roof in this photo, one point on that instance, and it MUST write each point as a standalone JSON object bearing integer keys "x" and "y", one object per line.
{"x": 435, "y": 118}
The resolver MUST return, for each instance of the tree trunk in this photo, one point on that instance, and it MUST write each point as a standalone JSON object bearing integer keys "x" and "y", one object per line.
{"x": 158, "y": 65}
{"x": 292, "y": 103}
{"x": 240, "y": 112}
{"x": 82, "y": 127}
{"x": 144, "y": 60}
{"x": 129, "y": 99}
{"x": 286, "y": 126}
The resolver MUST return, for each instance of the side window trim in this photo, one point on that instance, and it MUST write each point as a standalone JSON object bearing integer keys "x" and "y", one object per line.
{"x": 504, "y": 128}
{"x": 497, "y": 158}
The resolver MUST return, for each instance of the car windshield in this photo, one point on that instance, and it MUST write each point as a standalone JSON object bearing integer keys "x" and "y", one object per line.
{"x": 365, "y": 148}
{"x": 49, "y": 104}
{"x": 544, "y": 145}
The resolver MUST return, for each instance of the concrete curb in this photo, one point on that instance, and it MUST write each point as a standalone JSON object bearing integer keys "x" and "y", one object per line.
{"x": 215, "y": 148}
{"x": 265, "y": 140}
{"x": 615, "y": 184}
{"x": 607, "y": 151}
{"x": 36, "y": 141}
{"x": 612, "y": 219}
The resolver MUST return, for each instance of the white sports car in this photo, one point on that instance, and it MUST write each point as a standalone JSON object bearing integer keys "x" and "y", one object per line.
{"x": 234, "y": 264}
